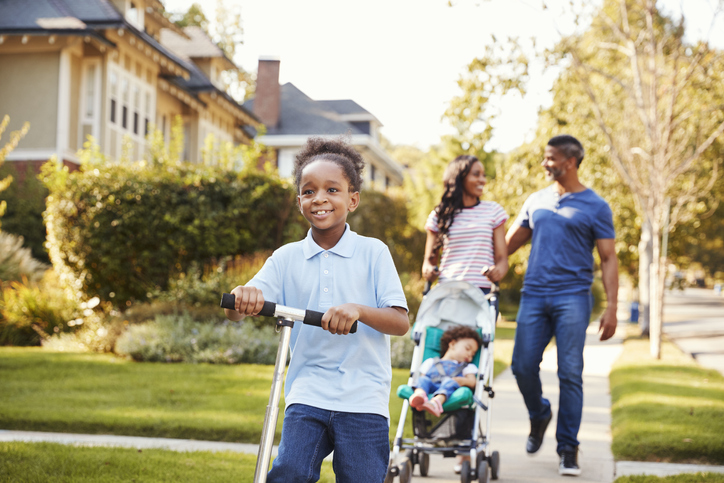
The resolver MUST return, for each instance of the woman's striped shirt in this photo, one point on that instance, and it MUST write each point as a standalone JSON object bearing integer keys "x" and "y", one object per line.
{"x": 468, "y": 247}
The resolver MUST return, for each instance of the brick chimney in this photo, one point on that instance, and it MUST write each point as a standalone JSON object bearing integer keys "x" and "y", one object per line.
{"x": 267, "y": 98}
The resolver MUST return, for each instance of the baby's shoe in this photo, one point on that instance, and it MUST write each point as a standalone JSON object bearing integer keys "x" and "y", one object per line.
{"x": 418, "y": 399}
{"x": 433, "y": 407}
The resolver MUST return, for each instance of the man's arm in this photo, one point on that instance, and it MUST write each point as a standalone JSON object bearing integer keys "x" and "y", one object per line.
{"x": 516, "y": 237}
{"x": 609, "y": 273}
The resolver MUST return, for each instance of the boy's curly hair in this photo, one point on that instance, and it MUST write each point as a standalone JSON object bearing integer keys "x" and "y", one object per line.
{"x": 458, "y": 332}
{"x": 335, "y": 150}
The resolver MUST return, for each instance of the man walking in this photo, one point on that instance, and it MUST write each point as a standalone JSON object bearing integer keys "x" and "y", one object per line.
{"x": 564, "y": 223}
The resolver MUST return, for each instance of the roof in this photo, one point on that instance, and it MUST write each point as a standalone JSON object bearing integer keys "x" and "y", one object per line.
{"x": 197, "y": 44}
{"x": 301, "y": 115}
{"x": 24, "y": 15}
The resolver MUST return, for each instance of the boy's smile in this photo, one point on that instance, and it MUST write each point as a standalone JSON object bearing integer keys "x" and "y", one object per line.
{"x": 325, "y": 199}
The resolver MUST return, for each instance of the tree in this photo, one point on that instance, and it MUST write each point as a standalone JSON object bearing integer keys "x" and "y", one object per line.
{"x": 228, "y": 33}
{"x": 657, "y": 101}
{"x": 15, "y": 138}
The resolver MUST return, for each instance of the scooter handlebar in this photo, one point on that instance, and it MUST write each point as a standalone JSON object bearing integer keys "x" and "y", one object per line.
{"x": 271, "y": 309}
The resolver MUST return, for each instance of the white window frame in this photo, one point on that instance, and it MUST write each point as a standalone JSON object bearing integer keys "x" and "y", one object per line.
{"x": 94, "y": 120}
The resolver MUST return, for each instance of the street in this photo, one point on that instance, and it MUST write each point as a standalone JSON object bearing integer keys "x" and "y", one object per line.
{"x": 694, "y": 321}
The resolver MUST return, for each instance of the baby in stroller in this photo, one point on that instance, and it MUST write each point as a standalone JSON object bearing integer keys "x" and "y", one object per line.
{"x": 442, "y": 376}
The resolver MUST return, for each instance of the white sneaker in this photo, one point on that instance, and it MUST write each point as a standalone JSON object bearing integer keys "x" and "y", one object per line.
{"x": 457, "y": 469}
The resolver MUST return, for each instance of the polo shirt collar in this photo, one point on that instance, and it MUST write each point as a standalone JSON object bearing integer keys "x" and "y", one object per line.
{"x": 343, "y": 248}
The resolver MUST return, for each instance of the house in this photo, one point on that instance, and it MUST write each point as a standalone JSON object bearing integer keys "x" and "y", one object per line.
{"x": 290, "y": 117}
{"x": 110, "y": 69}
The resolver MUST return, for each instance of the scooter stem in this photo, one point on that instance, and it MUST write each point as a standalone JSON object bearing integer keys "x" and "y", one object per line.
{"x": 272, "y": 409}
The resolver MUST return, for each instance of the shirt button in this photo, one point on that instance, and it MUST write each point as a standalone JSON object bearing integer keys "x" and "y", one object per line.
{"x": 326, "y": 255}
{"x": 326, "y": 272}
{"x": 326, "y": 289}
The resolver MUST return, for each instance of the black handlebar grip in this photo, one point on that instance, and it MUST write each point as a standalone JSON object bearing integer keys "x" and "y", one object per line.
{"x": 268, "y": 309}
{"x": 312, "y": 317}
{"x": 227, "y": 301}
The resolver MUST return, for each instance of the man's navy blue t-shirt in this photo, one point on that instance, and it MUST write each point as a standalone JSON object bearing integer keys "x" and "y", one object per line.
{"x": 564, "y": 232}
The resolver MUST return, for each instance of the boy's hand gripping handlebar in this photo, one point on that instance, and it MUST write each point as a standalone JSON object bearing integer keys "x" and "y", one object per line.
{"x": 271, "y": 309}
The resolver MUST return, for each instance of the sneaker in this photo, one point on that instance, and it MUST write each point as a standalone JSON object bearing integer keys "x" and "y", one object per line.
{"x": 537, "y": 431}
{"x": 569, "y": 462}
{"x": 457, "y": 469}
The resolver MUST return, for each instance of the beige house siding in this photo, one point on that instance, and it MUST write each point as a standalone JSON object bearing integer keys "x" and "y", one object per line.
{"x": 75, "y": 82}
{"x": 19, "y": 97}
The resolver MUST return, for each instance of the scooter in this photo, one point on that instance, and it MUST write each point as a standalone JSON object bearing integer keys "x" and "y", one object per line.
{"x": 286, "y": 318}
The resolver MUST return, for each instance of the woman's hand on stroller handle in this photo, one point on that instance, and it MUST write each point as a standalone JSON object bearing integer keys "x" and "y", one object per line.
{"x": 271, "y": 309}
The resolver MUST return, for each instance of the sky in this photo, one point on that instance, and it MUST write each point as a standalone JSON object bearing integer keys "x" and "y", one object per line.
{"x": 401, "y": 59}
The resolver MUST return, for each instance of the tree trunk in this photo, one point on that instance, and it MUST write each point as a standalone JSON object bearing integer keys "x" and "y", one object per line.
{"x": 645, "y": 258}
{"x": 656, "y": 300}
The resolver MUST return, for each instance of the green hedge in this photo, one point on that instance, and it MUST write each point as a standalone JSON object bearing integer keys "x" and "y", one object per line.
{"x": 120, "y": 232}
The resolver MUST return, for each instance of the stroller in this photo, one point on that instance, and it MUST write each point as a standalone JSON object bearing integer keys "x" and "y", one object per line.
{"x": 464, "y": 427}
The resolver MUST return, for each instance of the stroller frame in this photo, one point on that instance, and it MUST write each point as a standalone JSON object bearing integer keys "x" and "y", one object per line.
{"x": 406, "y": 453}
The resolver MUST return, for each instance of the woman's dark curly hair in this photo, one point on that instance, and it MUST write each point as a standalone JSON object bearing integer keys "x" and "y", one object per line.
{"x": 452, "y": 198}
{"x": 335, "y": 150}
{"x": 458, "y": 332}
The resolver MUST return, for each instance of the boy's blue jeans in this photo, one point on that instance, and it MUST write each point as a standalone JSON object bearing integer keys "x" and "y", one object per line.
{"x": 539, "y": 318}
{"x": 360, "y": 441}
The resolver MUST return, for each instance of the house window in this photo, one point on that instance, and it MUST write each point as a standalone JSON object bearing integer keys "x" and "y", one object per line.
{"x": 136, "y": 107}
{"x": 131, "y": 101}
{"x": 113, "y": 80}
{"x": 89, "y": 119}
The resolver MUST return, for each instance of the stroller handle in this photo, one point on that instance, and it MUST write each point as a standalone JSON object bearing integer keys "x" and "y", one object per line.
{"x": 271, "y": 309}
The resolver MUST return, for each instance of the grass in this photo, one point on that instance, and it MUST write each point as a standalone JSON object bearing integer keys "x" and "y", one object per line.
{"x": 667, "y": 410}
{"x": 683, "y": 478}
{"x": 103, "y": 394}
{"x": 41, "y": 462}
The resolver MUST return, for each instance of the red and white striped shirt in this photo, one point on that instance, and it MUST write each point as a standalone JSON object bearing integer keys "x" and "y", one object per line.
{"x": 468, "y": 246}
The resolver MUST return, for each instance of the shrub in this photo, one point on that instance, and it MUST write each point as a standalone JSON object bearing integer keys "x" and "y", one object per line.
{"x": 17, "y": 262}
{"x": 384, "y": 216}
{"x": 25, "y": 206}
{"x": 181, "y": 339}
{"x": 31, "y": 312}
{"x": 121, "y": 232}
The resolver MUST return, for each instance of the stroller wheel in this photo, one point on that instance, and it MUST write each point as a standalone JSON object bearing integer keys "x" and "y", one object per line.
{"x": 466, "y": 474}
{"x": 389, "y": 477}
{"x": 424, "y": 462}
{"x": 406, "y": 471}
{"x": 494, "y": 465}
{"x": 482, "y": 470}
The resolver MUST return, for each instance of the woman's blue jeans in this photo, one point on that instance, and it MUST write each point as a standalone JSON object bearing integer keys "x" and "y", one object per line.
{"x": 539, "y": 319}
{"x": 360, "y": 441}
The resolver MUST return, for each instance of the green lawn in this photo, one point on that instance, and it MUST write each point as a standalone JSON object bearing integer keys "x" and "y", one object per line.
{"x": 669, "y": 410}
{"x": 684, "y": 478}
{"x": 103, "y": 394}
{"x": 42, "y": 462}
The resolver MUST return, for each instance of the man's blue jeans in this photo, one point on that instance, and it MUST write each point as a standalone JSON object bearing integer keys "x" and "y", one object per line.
{"x": 360, "y": 441}
{"x": 539, "y": 318}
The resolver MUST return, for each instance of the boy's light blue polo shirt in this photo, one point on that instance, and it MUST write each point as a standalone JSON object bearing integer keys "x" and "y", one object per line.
{"x": 350, "y": 373}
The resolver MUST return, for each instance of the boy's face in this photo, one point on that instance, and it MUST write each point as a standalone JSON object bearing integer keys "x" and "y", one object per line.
{"x": 325, "y": 199}
{"x": 462, "y": 350}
